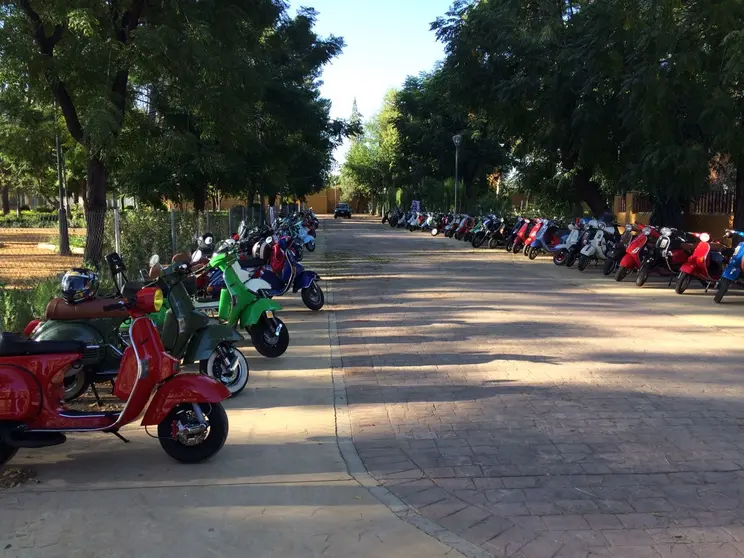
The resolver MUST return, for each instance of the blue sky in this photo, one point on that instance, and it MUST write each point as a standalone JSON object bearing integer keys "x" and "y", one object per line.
{"x": 386, "y": 40}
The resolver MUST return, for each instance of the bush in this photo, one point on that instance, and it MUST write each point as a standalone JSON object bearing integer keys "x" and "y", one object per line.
{"x": 39, "y": 219}
{"x": 20, "y": 306}
{"x": 45, "y": 210}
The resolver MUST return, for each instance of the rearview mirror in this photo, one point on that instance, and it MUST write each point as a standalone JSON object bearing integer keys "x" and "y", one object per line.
{"x": 154, "y": 260}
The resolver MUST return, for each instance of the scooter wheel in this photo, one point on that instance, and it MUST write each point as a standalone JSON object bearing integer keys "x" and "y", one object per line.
{"x": 642, "y": 276}
{"x": 434, "y": 232}
{"x": 723, "y": 288}
{"x": 76, "y": 384}
{"x": 313, "y": 297}
{"x": 509, "y": 246}
{"x": 310, "y": 246}
{"x": 266, "y": 342}
{"x": 570, "y": 260}
{"x": 533, "y": 253}
{"x": 583, "y": 263}
{"x": 609, "y": 266}
{"x": 198, "y": 448}
{"x": 516, "y": 248}
{"x": 621, "y": 273}
{"x": 683, "y": 281}
{"x": 560, "y": 257}
{"x": 493, "y": 243}
{"x": 215, "y": 367}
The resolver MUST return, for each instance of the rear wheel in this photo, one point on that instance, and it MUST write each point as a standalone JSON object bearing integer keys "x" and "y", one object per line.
{"x": 479, "y": 239}
{"x": 683, "y": 281}
{"x": 583, "y": 262}
{"x": 310, "y": 246}
{"x": 723, "y": 288}
{"x": 570, "y": 259}
{"x": 609, "y": 266}
{"x": 643, "y": 275}
{"x": 559, "y": 258}
{"x": 76, "y": 383}
{"x": 621, "y": 273}
{"x": 227, "y": 365}
{"x": 313, "y": 297}
{"x": 265, "y": 339}
{"x": 187, "y": 439}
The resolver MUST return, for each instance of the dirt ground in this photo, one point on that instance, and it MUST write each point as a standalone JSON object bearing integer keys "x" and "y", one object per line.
{"x": 22, "y": 262}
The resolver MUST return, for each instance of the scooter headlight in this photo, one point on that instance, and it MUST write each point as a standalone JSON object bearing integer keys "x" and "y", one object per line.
{"x": 647, "y": 231}
{"x": 666, "y": 231}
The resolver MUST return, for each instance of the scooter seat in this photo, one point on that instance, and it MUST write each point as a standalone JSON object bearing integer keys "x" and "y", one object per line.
{"x": 15, "y": 345}
{"x": 59, "y": 309}
{"x": 249, "y": 263}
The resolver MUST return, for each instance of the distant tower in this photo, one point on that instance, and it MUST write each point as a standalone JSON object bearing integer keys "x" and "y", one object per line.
{"x": 356, "y": 117}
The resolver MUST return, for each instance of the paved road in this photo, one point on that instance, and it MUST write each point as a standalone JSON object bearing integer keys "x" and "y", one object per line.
{"x": 536, "y": 411}
{"x": 279, "y": 488}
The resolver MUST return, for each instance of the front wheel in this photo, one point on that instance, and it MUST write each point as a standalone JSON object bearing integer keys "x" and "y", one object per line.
{"x": 493, "y": 243}
{"x": 570, "y": 259}
{"x": 313, "y": 297}
{"x": 310, "y": 246}
{"x": 643, "y": 275}
{"x": 188, "y": 438}
{"x": 533, "y": 253}
{"x": 621, "y": 273}
{"x": 434, "y": 232}
{"x": 559, "y": 258}
{"x": 609, "y": 266}
{"x": 509, "y": 246}
{"x": 479, "y": 239}
{"x": 723, "y": 288}
{"x": 227, "y": 365}
{"x": 516, "y": 248}
{"x": 583, "y": 262}
{"x": 265, "y": 338}
{"x": 683, "y": 281}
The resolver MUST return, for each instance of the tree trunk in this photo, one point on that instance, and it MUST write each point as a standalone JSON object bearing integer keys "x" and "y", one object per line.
{"x": 6, "y": 200}
{"x": 739, "y": 197}
{"x": 200, "y": 200}
{"x": 588, "y": 192}
{"x": 95, "y": 210}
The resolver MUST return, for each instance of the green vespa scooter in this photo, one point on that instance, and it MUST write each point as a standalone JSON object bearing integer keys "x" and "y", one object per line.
{"x": 187, "y": 335}
{"x": 248, "y": 305}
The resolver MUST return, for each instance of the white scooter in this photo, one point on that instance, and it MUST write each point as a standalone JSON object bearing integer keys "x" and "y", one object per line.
{"x": 597, "y": 249}
{"x": 559, "y": 258}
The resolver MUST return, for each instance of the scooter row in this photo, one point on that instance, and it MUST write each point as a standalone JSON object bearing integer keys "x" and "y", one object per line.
{"x": 138, "y": 338}
{"x": 646, "y": 250}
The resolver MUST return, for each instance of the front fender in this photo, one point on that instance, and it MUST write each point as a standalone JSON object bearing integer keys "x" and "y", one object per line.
{"x": 253, "y": 313}
{"x": 733, "y": 270}
{"x": 205, "y": 341}
{"x": 304, "y": 280}
{"x": 183, "y": 388}
{"x": 688, "y": 268}
{"x": 630, "y": 261}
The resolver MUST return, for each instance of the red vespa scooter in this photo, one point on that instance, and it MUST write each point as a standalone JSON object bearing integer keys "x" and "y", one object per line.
{"x": 521, "y": 237}
{"x": 533, "y": 235}
{"x": 706, "y": 263}
{"x": 634, "y": 255}
{"x": 192, "y": 424}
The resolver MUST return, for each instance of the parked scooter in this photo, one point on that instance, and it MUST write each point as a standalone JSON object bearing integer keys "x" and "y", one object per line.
{"x": 617, "y": 250}
{"x": 562, "y": 250}
{"x": 706, "y": 264}
{"x": 498, "y": 230}
{"x": 596, "y": 250}
{"x": 732, "y": 274}
{"x": 520, "y": 236}
{"x": 637, "y": 251}
{"x": 673, "y": 249}
{"x": 548, "y": 240}
{"x": 534, "y": 231}
{"x": 186, "y": 408}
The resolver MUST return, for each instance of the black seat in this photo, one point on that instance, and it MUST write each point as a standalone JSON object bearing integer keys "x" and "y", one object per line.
{"x": 247, "y": 263}
{"x": 12, "y": 344}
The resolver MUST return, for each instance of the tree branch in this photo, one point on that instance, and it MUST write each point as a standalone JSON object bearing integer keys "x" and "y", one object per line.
{"x": 59, "y": 90}
{"x": 129, "y": 22}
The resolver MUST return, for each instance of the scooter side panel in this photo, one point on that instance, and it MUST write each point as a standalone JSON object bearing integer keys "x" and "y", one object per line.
{"x": 183, "y": 388}
{"x": 733, "y": 269}
{"x": 589, "y": 250}
{"x": 20, "y": 393}
{"x": 205, "y": 341}
{"x": 305, "y": 279}
{"x": 253, "y": 313}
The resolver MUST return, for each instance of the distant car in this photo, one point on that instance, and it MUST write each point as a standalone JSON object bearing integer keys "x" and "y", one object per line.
{"x": 342, "y": 210}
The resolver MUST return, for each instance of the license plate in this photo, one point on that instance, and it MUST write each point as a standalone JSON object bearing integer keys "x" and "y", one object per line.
{"x": 269, "y": 314}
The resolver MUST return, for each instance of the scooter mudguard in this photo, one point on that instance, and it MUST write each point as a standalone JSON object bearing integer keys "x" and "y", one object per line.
{"x": 253, "y": 313}
{"x": 733, "y": 269}
{"x": 304, "y": 280}
{"x": 589, "y": 250}
{"x": 205, "y": 341}
{"x": 183, "y": 388}
{"x": 20, "y": 394}
{"x": 630, "y": 261}
{"x": 688, "y": 268}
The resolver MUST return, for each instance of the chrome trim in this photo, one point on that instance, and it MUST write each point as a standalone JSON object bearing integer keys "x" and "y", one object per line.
{"x": 81, "y": 416}
{"x": 118, "y": 421}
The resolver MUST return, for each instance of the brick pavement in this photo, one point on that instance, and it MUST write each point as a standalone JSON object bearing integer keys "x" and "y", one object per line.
{"x": 536, "y": 413}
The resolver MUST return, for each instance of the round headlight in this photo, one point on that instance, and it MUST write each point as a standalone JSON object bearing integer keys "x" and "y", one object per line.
{"x": 705, "y": 237}
{"x": 666, "y": 231}
{"x": 647, "y": 231}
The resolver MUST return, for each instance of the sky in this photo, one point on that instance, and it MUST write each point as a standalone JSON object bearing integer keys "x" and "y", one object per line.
{"x": 386, "y": 41}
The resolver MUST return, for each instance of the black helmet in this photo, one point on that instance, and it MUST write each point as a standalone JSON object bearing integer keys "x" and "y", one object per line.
{"x": 79, "y": 285}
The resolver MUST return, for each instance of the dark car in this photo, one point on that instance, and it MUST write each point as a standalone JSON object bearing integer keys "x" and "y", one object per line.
{"x": 342, "y": 210}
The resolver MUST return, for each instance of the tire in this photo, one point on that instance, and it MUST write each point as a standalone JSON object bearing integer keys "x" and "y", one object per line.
{"x": 683, "y": 281}
{"x": 493, "y": 244}
{"x": 259, "y": 336}
{"x": 642, "y": 275}
{"x": 76, "y": 385}
{"x": 609, "y": 266}
{"x": 213, "y": 367}
{"x": 434, "y": 232}
{"x": 335, "y": 216}
{"x": 313, "y": 297}
{"x": 458, "y": 236}
{"x": 583, "y": 262}
{"x": 310, "y": 246}
{"x": 621, "y": 273}
{"x": 723, "y": 288}
{"x": 216, "y": 436}
{"x": 559, "y": 258}
{"x": 392, "y": 225}
{"x": 479, "y": 239}
{"x": 516, "y": 248}
{"x": 509, "y": 246}
{"x": 533, "y": 253}
{"x": 570, "y": 260}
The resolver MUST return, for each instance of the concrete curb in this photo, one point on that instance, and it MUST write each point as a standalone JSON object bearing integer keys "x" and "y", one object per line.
{"x": 354, "y": 463}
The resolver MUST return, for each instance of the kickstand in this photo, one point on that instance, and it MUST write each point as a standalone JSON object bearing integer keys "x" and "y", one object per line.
{"x": 122, "y": 438}
{"x": 95, "y": 393}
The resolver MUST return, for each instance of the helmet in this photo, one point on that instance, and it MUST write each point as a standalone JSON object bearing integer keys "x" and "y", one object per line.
{"x": 79, "y": 285}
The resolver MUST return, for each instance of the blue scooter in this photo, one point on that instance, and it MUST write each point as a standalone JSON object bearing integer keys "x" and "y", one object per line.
{"x": 733, "y": 271}
{"x": 542, "y": 243}
{"x": 294, "y": 276}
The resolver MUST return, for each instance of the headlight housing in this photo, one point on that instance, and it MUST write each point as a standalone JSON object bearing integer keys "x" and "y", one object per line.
{"x": 666, "y": 231}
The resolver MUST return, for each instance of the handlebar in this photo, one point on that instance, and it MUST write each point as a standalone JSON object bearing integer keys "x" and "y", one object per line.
{"x": 117, "y": 306}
